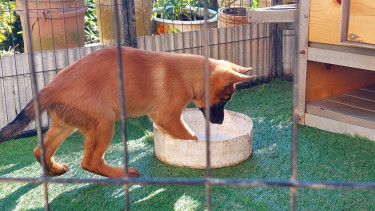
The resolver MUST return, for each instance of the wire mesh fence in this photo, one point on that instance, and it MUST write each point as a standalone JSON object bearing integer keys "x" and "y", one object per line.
{"x": 248, "y": 45}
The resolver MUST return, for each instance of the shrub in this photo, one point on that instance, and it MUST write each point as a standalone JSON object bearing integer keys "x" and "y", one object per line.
{"x": 10, "y": 29}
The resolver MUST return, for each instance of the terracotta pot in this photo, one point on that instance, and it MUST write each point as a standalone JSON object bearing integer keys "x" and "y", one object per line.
{"x": 104, "y": 12}
{"x": 54, "y": 24}
{"x": 232, "y": 16}
{"x": 234, "y": 3}
{"x": 246, "y": 3}
{"x": 163, "y": 26}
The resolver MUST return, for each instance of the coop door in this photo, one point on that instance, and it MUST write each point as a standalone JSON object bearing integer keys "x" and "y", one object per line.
{"x": 358, "y": 23}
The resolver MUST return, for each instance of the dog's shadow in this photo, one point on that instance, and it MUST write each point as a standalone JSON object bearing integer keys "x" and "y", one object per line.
{"x": 18, "y": 154}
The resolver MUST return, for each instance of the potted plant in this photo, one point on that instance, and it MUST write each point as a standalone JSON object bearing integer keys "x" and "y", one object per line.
{"x": 54, "y": 24}
{"x": 171, "y": 16}
{"x": 234, "y": 3}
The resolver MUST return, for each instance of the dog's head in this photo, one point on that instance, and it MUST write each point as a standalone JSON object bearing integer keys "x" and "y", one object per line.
{"x": 224, "y": 76}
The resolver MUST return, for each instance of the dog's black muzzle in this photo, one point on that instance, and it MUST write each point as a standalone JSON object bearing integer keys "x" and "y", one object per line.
{"x": 216, "y": 112}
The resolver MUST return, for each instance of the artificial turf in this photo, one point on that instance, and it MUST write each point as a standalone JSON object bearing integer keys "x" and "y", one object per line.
{"x": 322, "y": 156}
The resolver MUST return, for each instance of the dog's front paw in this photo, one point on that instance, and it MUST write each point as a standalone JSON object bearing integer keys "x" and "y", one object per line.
{"x": 58, "y": 169}
{"x": 133, "y": 172}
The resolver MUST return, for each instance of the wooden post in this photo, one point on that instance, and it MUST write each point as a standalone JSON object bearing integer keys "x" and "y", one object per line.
{"x": 128, "y": 23}
{"x": 276, "y": 50}
{"x": 276, "y": 2}
{"x": 299, "y": 73}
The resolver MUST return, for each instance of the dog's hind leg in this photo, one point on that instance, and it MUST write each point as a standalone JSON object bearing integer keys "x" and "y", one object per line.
{"x": 97, "y": 141}
{"x": 53, "y": 139}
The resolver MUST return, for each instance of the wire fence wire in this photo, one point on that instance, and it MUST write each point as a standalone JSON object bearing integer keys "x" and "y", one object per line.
{"x": 36, "y": 106}
{"x": 207, "y": 181}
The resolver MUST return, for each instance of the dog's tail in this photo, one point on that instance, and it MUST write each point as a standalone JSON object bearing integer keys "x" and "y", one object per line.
{"x": 21, "y": 121}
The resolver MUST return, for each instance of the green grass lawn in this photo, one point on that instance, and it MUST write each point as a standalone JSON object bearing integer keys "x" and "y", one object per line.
{"x": 322, "y": 156}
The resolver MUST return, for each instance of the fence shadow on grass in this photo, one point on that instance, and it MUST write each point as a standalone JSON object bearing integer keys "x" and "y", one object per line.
{"x": 15, "y": 155}
{"x": 10, "y": 202}
{"x": 145, "y": 197}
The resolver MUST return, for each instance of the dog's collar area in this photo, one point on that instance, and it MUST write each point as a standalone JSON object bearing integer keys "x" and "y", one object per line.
{"x": 224, "y": 100}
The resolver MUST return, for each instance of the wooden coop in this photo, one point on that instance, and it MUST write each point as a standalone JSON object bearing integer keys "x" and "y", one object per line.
{"x": 336, "y": 78}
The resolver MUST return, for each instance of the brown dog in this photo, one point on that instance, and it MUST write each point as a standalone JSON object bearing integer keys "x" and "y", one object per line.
{"x": 85, "y": 96}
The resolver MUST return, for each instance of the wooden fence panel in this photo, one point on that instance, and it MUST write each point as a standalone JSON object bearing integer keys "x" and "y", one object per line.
{"x": 289, "y": 53}
{"x": 246, "y": 45}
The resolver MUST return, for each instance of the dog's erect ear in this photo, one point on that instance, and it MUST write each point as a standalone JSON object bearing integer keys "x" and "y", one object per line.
{"x": 242, "y": 70}
{"x": 235, "y": 77}
{"x": 239, "y": 68}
